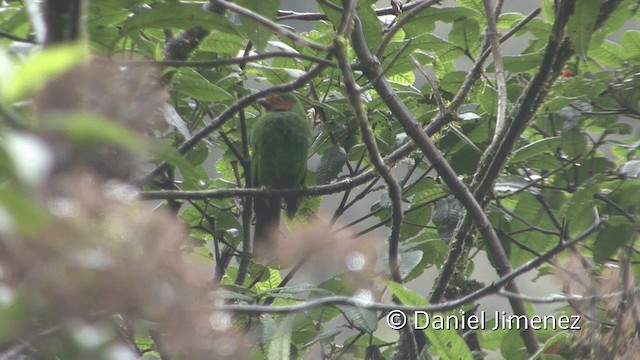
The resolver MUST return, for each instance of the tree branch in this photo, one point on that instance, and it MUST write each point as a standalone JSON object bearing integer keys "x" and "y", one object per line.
{"x": 269, "y": 24}
{"x": 492, "y": 36}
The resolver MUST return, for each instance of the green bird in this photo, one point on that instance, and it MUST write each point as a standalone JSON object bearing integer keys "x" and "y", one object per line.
{"x": 280, "y": 144}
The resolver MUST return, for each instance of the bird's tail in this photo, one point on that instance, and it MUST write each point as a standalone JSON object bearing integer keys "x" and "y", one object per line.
{"x": 292, "y": 205}
{"x": 267, "y": 210}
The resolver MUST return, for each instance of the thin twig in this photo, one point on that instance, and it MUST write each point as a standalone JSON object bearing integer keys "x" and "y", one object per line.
{"x": 369, "y": 140}
{"x": 225, "y": 62}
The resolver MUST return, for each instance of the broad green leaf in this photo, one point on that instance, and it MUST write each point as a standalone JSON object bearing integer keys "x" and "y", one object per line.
{"x": 466, "y": 34}
{"x": 325, "y": 335}
{"x": 550, "y": 145}
{"x": 191, "y": 83}
{"x": 370, "y": 24}
{"x": 256, "y": 32}
{"x": 608, "y": 53}
{"x": 331, "y": 164}
{"x": 579, "y": 209}
{"x": 512, "y": 346}
{"x": 222, "y": 43}
{"x": 488, "y": 99}
{"x": 621, "y": 16}
{"x": 520, "y": 63}
{"x": 406, "y": 78}
{"x": 272, "y": 281}
{"x": 574, "y": 143}
{"x": 177, "y": 15}
{"x": 548, "y": 10}
{"x": 415, "y": 219}
{"x": 631, "y": 43}
{"x": 362, "y": 319}
{"x": 274, "y": 75}
{"x": 549, "y": 344}
{"x": 452, "y": 81}
{"x": 445, "y": 343}
{"x": 477, "y": 6}
{"x": 425, "y": 21}
{"x": 172, "y": 118}
{"x": 610, "y": 239}
{"x": 446, "y": 214}
{"x": 409, "y": 259}
{"x": 582, "y": 24}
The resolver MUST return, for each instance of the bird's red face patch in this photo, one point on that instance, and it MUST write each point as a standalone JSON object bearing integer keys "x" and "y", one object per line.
{"x": 277, "y": 102}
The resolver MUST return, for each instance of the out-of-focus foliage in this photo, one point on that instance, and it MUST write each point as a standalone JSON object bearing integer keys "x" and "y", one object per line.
{"x": 88, "y": 270}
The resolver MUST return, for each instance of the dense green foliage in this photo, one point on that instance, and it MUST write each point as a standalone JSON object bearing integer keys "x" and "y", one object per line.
{"x": 90, "y": 271}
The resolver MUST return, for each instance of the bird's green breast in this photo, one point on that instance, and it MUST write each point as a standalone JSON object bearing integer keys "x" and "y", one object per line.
{"x": 280, "y": 144}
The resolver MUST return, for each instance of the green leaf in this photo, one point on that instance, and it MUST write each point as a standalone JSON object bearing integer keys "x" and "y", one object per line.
{"x": 452, "y": 81}
{"x": 466, "y": 34}
{"x": 173, "y": 157}
{"x": 477, "y": 6}
{"x": 630, "y": 41}
{"x": 327, "y": 334}
{"x": 271, "y": 282}
{"x": 610, "y": 239}
{"x": 331, "y": 164}
{"x": 520, "y": 63}
{"x": 222, "y": 43}
{"x": 446, "y": 214}
{"x": 415, "y": 219}
{"x": 579, "y": 209}
{"x": 446, "y": 343}
{"x": 488, "y": 99}
{"x": 548, "y": 10}
{"x": 574, "y": 143}
{"x": 512, "y": 346}
{"x": 362, "y": 319}
{"x": 191, "y": 83}
{"x": 177, "y": 15}
{"x": 256, "y": 32}
{"x": 582, "y": 24}
{"x": 409, "y": 258}
{"x": 508, "y": 19}
{"x": 425, "y": 21}
{"x": 609, "y": 53}
{"x": 370, "y": 24}
{"x": 535, "y": 148}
